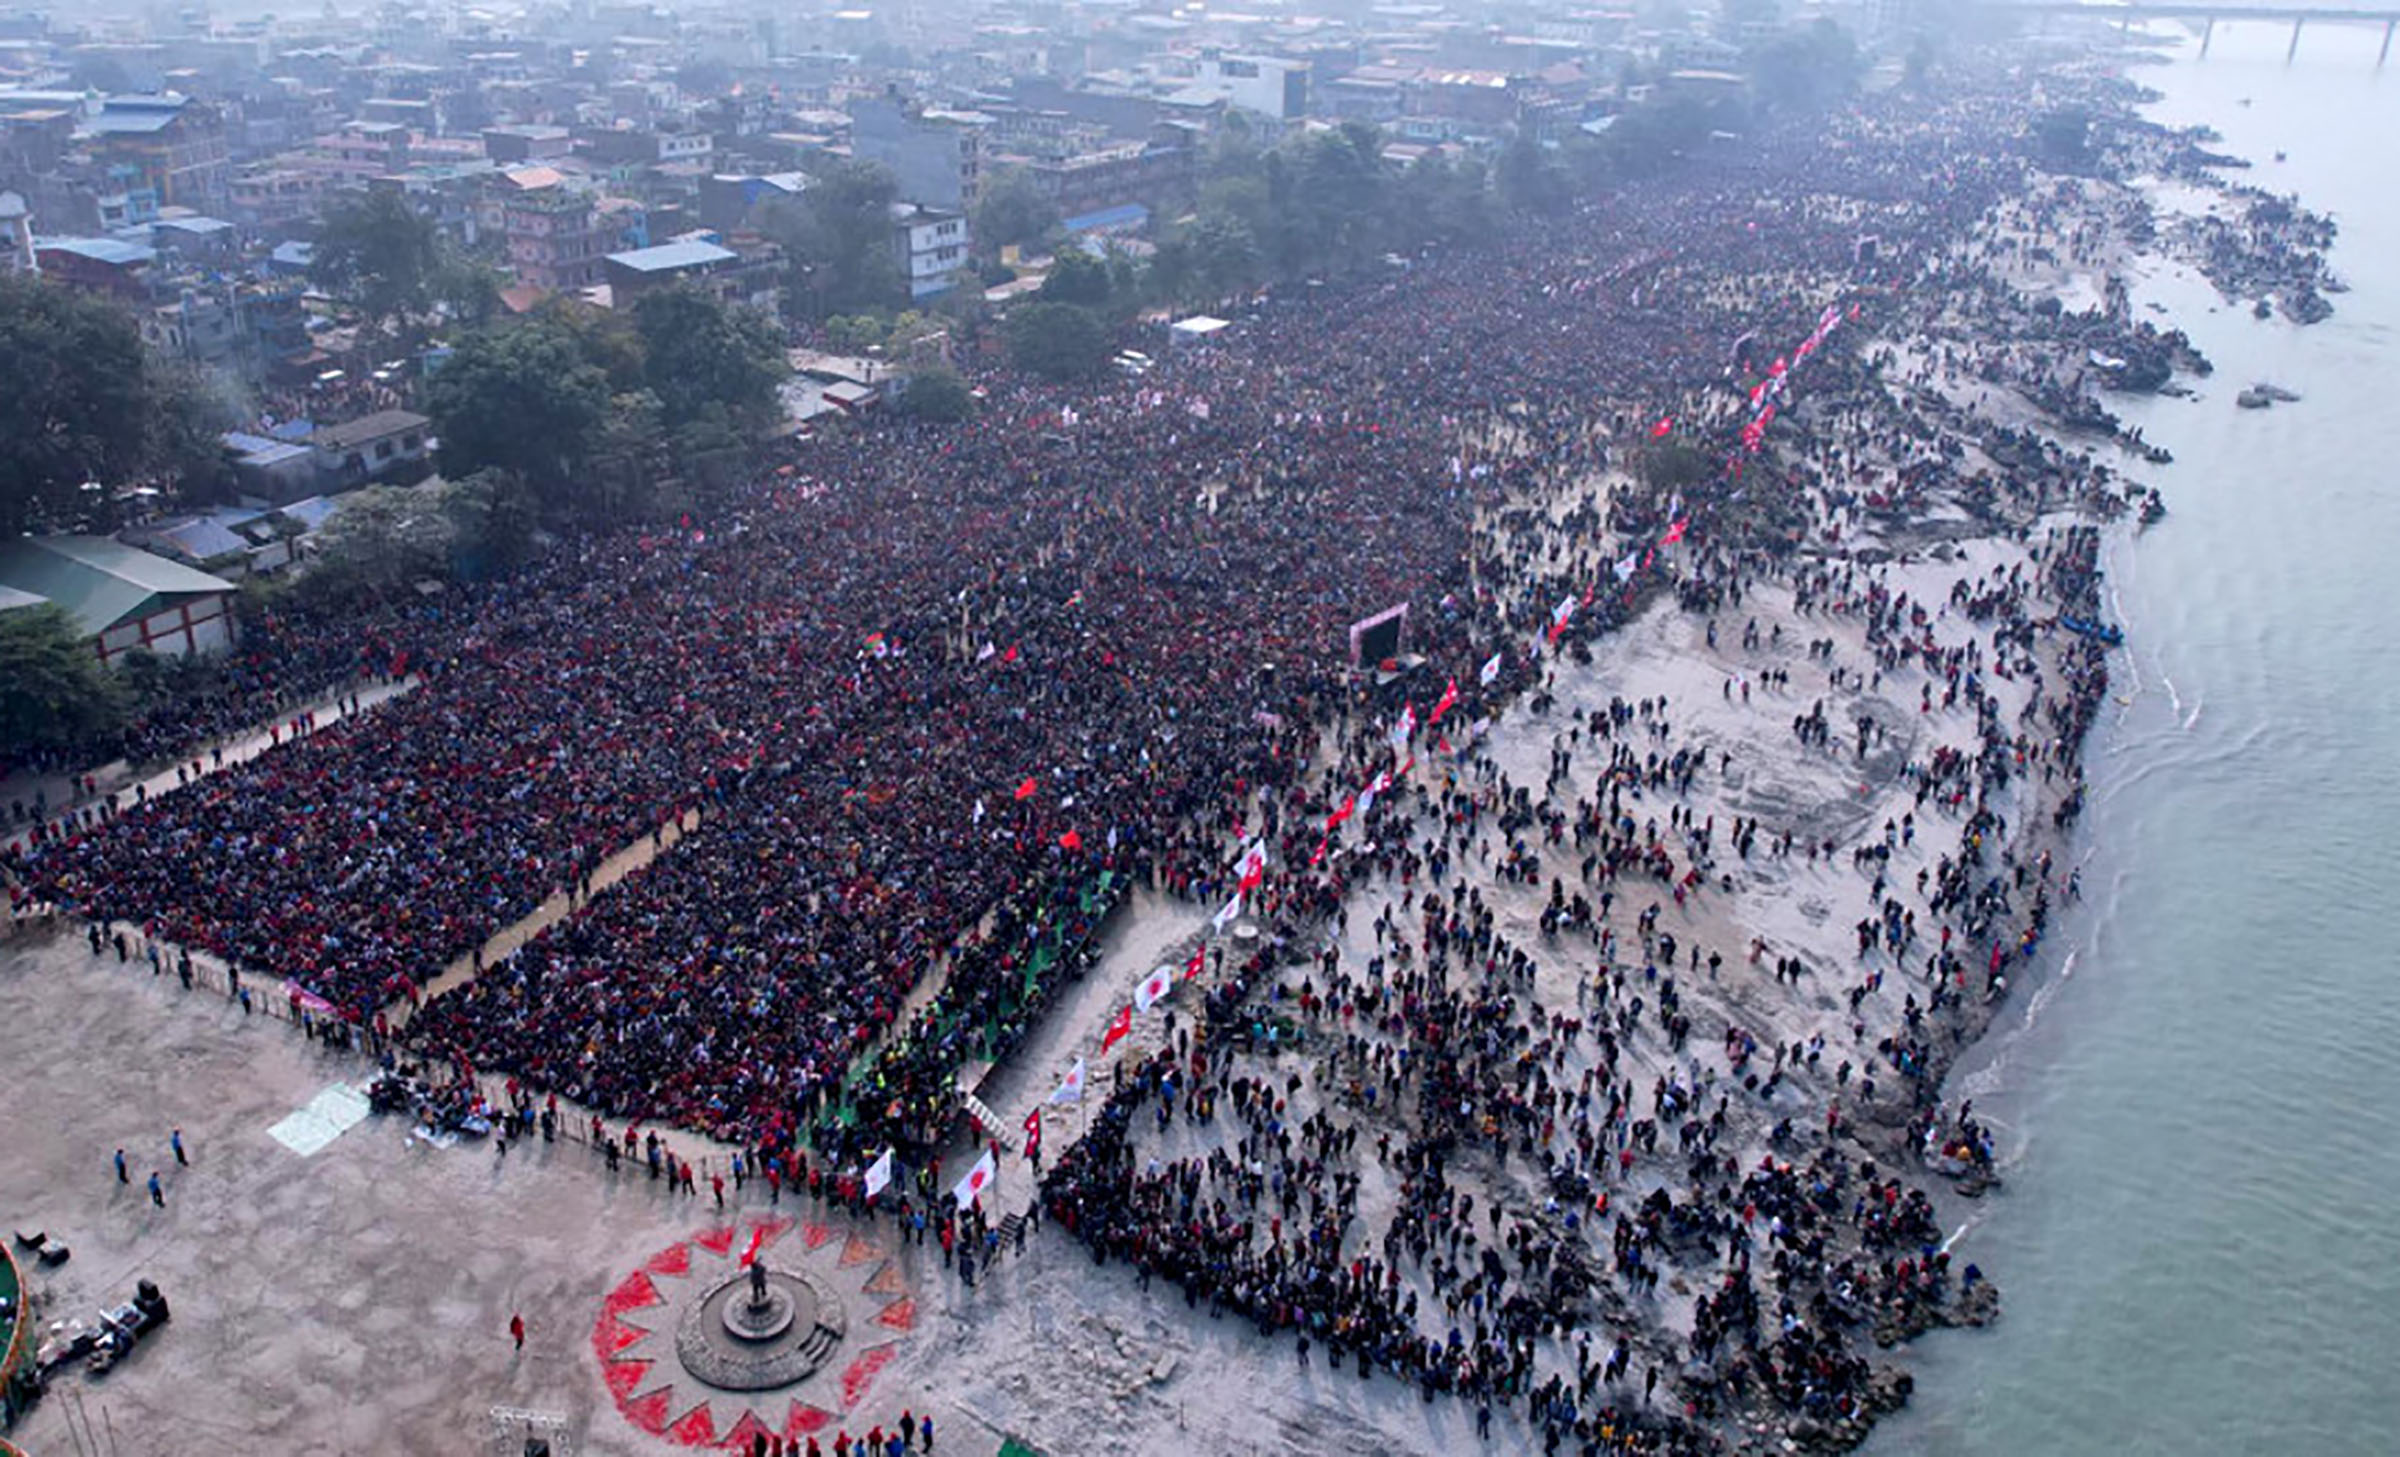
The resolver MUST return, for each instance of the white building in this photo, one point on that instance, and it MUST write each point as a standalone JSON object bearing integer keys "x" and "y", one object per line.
{"x": 1267, "y": 85}
{"x": 930, "y": 246}
{"x": 16, "y": 234}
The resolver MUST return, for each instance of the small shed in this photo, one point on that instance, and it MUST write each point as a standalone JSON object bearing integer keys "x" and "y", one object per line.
{"x": 1198, "y": 329}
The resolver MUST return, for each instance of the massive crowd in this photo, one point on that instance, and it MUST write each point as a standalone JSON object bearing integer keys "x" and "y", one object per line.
{"x": 941, "y": 692}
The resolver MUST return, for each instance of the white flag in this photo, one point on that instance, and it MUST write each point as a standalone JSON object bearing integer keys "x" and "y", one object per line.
{"x": 1160, "y": 982}
{"x": 977, "y": 1180}
{"x": 1405, "y": 728}
{"x": 1224, "y": 918}
{"x": 987, "y": 652}
{"x": 1071, "y": 1090}
{"x": 1625, "y": 568}
{"x": 1564, "y": 610}
{"x": 1491, "y": 671}
{"x": 879, "y": 1174}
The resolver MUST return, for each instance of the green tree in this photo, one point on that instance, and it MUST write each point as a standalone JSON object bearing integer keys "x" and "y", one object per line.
{"x": 1804, "y": 70}
{"x": 82, "y": 401}
{"x": 698, "y": 353}
{"x": 493, "y": 518}
{"x": 383, "y": 538}
{"x": 937, "y": 394}
{"x": 1531, "y": 180}
{"x": 1225, "y": 255}
{"x": 1057, "y": 341}
{"x": 1078, "y": 278}
{"x": 838, "y": 234}
{"x": 1011, "y": 209}
{"x": 2061, "y": 138}
{"x": 377, "y": 252}
{"x": 1440, "y": 201}
{"x": 521, "y": 397}
{"x": 1648, "y": 138}
{"x": 54, "y": 692}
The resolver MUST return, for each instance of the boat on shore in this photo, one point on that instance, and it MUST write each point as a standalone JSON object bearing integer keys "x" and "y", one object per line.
{"x": 2099, "y": 632}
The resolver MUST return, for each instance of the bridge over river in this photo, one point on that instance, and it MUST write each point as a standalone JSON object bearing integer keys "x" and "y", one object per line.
{"x": 2128, "y": 15}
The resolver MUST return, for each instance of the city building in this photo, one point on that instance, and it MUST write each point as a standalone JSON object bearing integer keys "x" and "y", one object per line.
{"x": 121, "y": 597}
{"x": 371, "y": 447}
{"x": 935, "y": 156}
{"x": 552, "y": 234}
{"x": 101, "y": 265}
{"x": 930, "y": 246}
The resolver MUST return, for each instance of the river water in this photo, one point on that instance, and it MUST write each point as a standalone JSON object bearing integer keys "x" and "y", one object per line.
{"x": 2199, "y": 1242}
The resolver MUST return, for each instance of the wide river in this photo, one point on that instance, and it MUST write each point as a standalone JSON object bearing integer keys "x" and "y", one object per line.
{"x": 2199, "y": 1241}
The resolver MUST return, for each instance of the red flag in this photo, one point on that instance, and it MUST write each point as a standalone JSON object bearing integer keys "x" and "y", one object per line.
{"x": 1674, "y": 532}
{"x": 1025, "y": 790}
{"x": 1449, "y": 700}
{"x": 1252, "y": 868}
{"x": 1117, "y": 1030}
{"x": 1033, "y": 1133}
{"x": 1664, "y": 427}
{"x": 1011, "y": 655}
{"x": 1070, "y": 841}
{"x": 1349, "y": 807}
{"x": 1191, "y": 968}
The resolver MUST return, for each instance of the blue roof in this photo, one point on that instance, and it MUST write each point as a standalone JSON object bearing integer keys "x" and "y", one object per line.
{"x": 313, "y": 512}
{"x": 1127, "y": 215}
{"x": 668, "y": 257}
{"x": 100, "y": 250}
{"x": 133, "y": 125}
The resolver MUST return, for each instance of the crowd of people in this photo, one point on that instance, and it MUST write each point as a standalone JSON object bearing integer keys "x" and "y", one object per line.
{"x": 941, "y": 694}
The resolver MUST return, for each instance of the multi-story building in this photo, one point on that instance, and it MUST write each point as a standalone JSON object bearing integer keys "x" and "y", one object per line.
{"x": 930, "y": 246}
{"x": 1161, "y": 173}
{"x": 176, "y": 144}
{"x": 554, "y": 237}
{"x": 1267, "y": 85}
{"x": 272, "y": 196}
{"x": 359, "y": 151}
{"x": 936, "y": 156}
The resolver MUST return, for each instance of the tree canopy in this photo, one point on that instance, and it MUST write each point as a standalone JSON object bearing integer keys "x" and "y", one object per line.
{"x": 590, "y": 409}
{"x": 378, "y": 252}
{"x": 1011, "y": 209}
{"x": 1804, "y": 68}
{"x": 838, "y": 234}
{"x": 1057, "y": 340}
{"x": 54, "y": 691}
{"x": 523, "y": 397}
{"x": 696, "y": 352}
{"x": 83, "y": 400}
